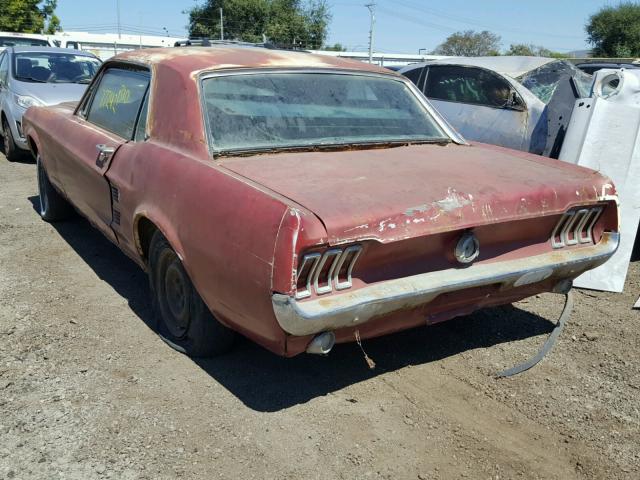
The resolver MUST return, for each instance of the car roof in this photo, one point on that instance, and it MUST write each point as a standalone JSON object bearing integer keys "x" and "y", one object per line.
{"x": 28, "y": 49}
{"x": 608, "y": 64}
{"x": 218, "y": 57}
{"x": 512, "y": 66}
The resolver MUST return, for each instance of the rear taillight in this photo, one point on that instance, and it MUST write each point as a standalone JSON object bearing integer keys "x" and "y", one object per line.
{"x": 322, "y": 273}
{"x": 575, "y": 226}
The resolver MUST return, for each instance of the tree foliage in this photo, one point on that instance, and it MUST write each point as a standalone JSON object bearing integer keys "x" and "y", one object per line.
{"x": 29, "y": 16}
{"x": 529, "y": 50}
{"x": 336, "y": 47}
{"x": 615, "y": 31}
{"x": 288, "y": 22}
{"x": 470, "y": 44}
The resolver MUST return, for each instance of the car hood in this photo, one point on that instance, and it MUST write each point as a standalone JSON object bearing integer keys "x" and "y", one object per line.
{"x": 51, "y": 93}
{"x": 394, "y": 193}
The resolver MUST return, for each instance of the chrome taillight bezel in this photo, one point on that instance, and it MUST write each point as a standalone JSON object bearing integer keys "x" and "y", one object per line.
{"x": 337, "y": 258}
{"x": 312, "y": 258}
{"x": 575, "y": 227}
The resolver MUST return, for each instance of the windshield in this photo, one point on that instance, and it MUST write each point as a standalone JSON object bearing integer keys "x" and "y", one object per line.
{"x": 22, "y": 42}
{"x": 544, "y": 80}
{"x": 303, "y": 110}
{"x": 49, "y": 67}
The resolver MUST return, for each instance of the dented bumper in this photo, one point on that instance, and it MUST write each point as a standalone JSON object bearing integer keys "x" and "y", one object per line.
{"x": 354, "y": 308}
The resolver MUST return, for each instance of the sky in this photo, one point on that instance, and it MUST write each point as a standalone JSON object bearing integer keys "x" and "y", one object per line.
{"x": 402, "y": 26}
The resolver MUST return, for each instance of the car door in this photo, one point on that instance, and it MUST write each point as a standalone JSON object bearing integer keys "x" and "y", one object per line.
{"x": 103, "y": 123}
{"x": 480, "y": 104}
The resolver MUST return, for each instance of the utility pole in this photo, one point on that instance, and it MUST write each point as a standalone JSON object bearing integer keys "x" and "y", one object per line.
{"x": 372, "y": 13}
{"x": 221, "y": 25}
{"x": 118, "y": 16}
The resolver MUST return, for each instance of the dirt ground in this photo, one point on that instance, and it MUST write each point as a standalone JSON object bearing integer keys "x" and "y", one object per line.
{"x": 87, "y": 390}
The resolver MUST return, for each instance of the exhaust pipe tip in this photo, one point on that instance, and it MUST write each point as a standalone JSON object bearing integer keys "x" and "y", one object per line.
{"x": 322, "y": 343}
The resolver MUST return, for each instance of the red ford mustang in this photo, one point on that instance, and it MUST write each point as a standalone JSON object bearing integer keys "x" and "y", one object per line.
{"x": 302, "y": 200}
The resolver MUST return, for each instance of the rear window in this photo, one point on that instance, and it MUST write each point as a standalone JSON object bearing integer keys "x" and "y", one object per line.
{"x": 22, "y": 42}
{"x": 544, "y": 80}
{"x": 266, "y": 111}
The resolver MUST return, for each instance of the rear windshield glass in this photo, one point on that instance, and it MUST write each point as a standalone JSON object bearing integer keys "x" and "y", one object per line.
{"x": 48, "y": 67}
{"x": 22, "y": 42}
{"x": 288, "y": 110}
{"x": 544, "y": 80}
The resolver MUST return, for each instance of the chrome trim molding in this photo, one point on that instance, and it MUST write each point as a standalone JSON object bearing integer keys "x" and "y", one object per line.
{"x": 356, "y": 307}
{"x": 337, "y": 257}
{"x": 333, "y": 256}
{"x": 312, "y": 257}
{"x": 336, "y": 278}
{"x": 576, "y": 222}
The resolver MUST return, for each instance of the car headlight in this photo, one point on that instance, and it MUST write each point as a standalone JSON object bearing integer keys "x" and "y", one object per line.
{"x": 25, "y": 101}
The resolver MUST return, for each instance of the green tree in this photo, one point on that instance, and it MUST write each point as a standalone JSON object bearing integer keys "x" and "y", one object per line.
{"x": 470, "y": 44}
{"x": 288, "y": 22}
{"x": 29, "y": 16}
{"x": 529, "y": 50}
{"x": 336, "y": 47}
{"x": 615, "y": 31}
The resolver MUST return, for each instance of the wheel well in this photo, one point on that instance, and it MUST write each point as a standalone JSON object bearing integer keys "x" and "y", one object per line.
{"x": 146, "y": 228}
{"x": 32, "y": 146}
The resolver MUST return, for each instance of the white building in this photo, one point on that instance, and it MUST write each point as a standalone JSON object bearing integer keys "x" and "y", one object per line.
{"x": 106, "y": 45}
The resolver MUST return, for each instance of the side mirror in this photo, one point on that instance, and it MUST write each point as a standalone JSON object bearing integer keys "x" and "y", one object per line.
{"x": 514, "y": 102}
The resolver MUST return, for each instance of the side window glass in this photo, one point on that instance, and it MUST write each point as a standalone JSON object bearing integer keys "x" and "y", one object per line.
{"x": 141, "y": 126}
{"x": 117, "y": 100}
{"x": 4, "y": 69}
{"x": 414, "y": 75}
{"x": 467, "y": 85}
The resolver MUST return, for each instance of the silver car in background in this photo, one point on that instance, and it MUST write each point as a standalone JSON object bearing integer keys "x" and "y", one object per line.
{"x": 523, "y": 103}
{"x": 31, "y": 76}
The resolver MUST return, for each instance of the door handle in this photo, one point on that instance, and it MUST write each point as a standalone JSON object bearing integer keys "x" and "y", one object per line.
{"x": 104, "y": 152}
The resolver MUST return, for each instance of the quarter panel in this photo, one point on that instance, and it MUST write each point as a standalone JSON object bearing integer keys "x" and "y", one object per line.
{"x": 223, "y": 228}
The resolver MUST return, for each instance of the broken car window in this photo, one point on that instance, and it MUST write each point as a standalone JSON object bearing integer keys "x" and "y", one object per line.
{"x": 290, "y": 110}
{"x": 544, "y": 80}
{"x": 467, "y": 85}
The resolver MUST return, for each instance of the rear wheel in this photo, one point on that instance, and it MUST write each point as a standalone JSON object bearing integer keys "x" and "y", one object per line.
{"x": 53, "y": 206}
{"x": 184, "y": 321}
{"x": 10, "y": 148}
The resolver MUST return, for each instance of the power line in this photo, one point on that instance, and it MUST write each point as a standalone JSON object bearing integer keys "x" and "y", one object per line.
{"x": 468, "y": 21}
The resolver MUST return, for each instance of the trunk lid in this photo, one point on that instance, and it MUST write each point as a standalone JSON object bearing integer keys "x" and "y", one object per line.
{"x": 390, "y": 194}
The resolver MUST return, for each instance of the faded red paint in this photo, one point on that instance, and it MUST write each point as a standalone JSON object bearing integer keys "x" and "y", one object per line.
{"x": 241, "y": 224}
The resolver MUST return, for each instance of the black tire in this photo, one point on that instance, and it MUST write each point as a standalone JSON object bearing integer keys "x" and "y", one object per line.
{"x": 53, "y": 207}
{"x": 11, "y": 150}
{"x": 183, "y": 320}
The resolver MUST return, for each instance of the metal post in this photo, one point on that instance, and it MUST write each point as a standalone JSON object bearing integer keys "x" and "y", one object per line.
{"x": 118, "y": 16}
{"x": 221, "y": 25}
{"x": 372, "y": 12}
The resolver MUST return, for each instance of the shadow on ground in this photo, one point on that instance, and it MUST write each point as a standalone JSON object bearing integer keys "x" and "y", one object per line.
{"x": 266, "y": 382}
{"x": 23, "y": 156}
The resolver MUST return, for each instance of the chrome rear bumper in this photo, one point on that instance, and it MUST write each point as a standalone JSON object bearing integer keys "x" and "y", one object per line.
{"x": 347, "y": 309}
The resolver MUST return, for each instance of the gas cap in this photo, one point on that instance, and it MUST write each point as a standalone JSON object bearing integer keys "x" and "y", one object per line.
{"x": 467, "y": 249}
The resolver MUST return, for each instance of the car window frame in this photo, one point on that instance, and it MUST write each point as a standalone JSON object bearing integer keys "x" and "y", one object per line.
{"x": 421, "y": 75}
{"x": 521, "y": 105}
{"x": 4, "y": 57}
{"x": 143, "y": 104}
{"x": 453, "y": 135}
{"x": 84, "y": 106}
